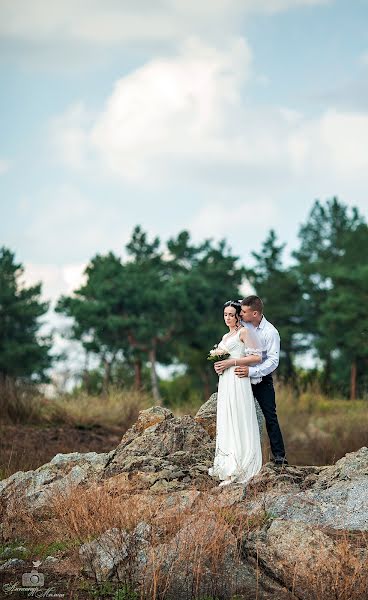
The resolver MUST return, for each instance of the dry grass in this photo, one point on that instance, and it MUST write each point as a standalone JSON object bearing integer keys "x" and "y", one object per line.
{"x": 21, "y": 403}
{"x": 339, "y": 575}
{"x": 195, "y": 549}
{"x": 27, "y": 447}
{"x": 33, "y": 428}
{"x": 211, "y": 536}
{"x": 24, "y": 404}
{"x": 117, "y": 408}
{"x": 317, "y": 429}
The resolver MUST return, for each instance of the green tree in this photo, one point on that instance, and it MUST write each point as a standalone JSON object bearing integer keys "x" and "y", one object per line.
{"x": 344, "y": 317}
{"x": 210, "y": 276}
{"x": 324, "y": 264}
{"x": 280, "y": 290}
{"x": 126, "y": 310}
{"x": 96, "y": 312}
{"x": 159, "y": 306}
{"x": 23, "y": 352}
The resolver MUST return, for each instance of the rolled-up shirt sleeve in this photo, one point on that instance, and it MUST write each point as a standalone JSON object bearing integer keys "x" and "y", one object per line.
{"x": 272, "y": 347}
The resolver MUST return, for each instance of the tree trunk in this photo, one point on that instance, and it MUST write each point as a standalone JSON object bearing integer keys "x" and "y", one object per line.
{"x": 154, "y": 381}
{"x": 138, "y": 374}
{"x": 353, "y": 380}
{"x": 86, "y": 378}
{"x": 86, "y": 381}
{"x": 326, "y": 382}
{"x": 107, "y": 376}
{"x": 290, "y": 371}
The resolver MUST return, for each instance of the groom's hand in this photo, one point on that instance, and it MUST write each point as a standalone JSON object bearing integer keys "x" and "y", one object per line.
{"x": 242, "y": 371}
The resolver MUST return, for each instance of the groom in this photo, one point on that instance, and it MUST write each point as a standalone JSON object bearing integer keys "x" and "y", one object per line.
{"x": 252, "y": 312}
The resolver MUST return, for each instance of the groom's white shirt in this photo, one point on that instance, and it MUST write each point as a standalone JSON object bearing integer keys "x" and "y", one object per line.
{"x": 270, "y": 338}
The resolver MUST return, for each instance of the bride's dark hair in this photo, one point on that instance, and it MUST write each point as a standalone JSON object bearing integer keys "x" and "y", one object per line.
{"x": 235, "y": 304}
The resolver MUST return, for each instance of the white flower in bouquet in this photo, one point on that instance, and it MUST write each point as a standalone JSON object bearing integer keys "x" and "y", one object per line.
{"x": 217, "y": 353}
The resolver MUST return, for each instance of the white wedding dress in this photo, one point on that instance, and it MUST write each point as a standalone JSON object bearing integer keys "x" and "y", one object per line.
{"x": 238, "y": 454}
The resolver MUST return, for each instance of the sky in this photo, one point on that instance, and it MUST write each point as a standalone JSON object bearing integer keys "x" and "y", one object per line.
{"x": 224, "y": 117}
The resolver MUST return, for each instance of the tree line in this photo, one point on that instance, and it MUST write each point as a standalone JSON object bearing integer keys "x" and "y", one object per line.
{"x": 163, "y": 305}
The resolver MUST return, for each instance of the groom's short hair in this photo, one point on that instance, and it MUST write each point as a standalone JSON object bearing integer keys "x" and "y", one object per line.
{"x": 254, "y": 302}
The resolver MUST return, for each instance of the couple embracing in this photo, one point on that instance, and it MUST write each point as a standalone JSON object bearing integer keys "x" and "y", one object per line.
{"x": 253, "y": 346}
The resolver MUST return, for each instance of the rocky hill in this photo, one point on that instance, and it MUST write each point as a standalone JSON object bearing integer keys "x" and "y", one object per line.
{"x": 293, "y": 532}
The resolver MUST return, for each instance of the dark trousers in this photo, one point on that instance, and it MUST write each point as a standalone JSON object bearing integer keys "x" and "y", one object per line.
{"x": 265, "y": 394}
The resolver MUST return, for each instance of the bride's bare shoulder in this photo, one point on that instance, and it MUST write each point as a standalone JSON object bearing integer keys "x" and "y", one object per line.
{"x": 243, "y": 333}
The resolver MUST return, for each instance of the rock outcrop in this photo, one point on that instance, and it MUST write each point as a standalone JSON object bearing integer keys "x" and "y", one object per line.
{"x": 337, "y": 498}
{"x": 167, "y": 452}
{"x": 270, "y": 539}
{"x": 34, "y": 488}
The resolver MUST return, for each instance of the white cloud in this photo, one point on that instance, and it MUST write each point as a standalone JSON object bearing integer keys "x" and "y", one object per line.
{"x": 229, "y": 218}
{"x": 56, "y": 280}
{"x": 124, "y": 21}
{"x": 334, "y": 143}
{"x": 364, "y": 58}
{"x": 68, "y": 134}
{"x": 187, "y": 119}
{"x": 75, "y": 33}
{"x": 345, "y": 136}
{"x": 275, "y": 6}
{"x": 4, "y": 166}
{"x": 170, "y": 110}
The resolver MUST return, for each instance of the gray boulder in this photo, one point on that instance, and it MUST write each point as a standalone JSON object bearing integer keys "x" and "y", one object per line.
{"x": 117, "y": 554}
{"x": 338, "y": 498}
{"x": 167, "y": 452}
{"x": 33, "y": 490}
{"x": 12, "y": 563}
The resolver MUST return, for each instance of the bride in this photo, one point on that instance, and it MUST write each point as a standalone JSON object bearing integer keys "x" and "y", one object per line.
{"x": 238, "y": 455}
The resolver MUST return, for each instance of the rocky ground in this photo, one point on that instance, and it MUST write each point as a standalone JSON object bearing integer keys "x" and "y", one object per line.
{"x": 293, "y": 532}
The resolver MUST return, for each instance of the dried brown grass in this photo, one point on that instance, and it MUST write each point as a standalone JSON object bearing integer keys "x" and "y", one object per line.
{"x": 194, "y": 547}
{"x": 317, "y": 429}
{"x": 185, "y": 542}
{"x": 341, "y": 575}
{"x": 22, "y": 403}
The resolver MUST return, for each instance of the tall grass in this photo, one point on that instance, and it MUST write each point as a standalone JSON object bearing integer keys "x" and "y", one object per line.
{"x": 318, "y": 429}
{"x": 24, "y": 404}
{"x": 21, "y": 403}
{"x": 118, "y": 408}
{"x": 200, "y": 544}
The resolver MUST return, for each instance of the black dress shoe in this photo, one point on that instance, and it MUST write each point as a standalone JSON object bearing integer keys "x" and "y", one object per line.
{"x": 280, "y": 460}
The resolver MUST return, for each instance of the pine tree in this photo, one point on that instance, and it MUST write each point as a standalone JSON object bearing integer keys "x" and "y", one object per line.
{"x": 280, "y": 291}
{"x": 23, "y": 353}
{"x": 333, "y": 243}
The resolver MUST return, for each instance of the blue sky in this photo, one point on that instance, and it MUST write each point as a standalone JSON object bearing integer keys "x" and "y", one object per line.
{"x": 226, "y": 118}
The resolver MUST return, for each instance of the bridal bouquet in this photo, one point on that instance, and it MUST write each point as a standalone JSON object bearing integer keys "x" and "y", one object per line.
{"x": 217, "y": 354}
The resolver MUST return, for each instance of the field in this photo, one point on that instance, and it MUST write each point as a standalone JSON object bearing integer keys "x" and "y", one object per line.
{"x": 317, "y": 430}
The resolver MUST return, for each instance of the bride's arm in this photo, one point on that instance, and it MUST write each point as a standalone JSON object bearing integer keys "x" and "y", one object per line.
{"x": 244, "y": 361}
{"x": 251, "y": 359}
